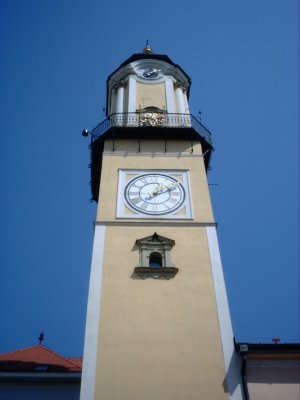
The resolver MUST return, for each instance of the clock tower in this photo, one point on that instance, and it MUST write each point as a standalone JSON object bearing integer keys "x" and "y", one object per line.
{"x": 158, "y": 324}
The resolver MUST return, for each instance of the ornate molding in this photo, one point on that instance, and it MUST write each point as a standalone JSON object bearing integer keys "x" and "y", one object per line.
{"x": 180, "y": 85}
{"x": 155, "y": 273}
{"x": 152, "y": 119}
{"x": 120, "y": 83}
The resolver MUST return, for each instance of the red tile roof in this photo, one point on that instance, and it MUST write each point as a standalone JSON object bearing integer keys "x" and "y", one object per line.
{"x": 77, "y": 361}
{"x": 38, "y": 359}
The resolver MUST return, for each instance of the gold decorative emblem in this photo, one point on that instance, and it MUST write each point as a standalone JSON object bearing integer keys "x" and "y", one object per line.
{"x": 152, "y": 119}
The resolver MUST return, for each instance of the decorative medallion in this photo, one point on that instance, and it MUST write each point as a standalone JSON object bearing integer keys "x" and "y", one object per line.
{"x": 152, "y": 119}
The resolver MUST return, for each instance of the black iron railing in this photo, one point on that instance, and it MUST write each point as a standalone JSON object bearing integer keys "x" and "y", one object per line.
{"x": 151, "y": 119}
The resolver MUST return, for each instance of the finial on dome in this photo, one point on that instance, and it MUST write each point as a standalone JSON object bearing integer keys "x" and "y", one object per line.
{"x": 147, "y": 48}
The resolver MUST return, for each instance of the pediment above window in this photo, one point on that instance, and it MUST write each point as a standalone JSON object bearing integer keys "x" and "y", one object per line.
{"x": 155, "y": 239}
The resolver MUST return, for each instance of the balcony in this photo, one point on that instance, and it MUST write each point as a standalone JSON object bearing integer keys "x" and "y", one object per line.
{"x": 145, "y": 125}
{"x": 154, "y": 120}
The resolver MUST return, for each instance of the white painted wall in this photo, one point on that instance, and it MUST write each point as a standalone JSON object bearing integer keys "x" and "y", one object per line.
{"x": 93, "y": 317}
{"x": 232, "y": 363}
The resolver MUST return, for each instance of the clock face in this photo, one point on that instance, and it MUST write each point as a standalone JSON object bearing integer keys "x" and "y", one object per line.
{"x": 154, "y": 194}
{"x": 152, "y": 73}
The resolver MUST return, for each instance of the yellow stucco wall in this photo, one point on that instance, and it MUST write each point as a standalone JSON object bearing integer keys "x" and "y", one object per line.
{"x": 158, "y": 339}
{"x": 275, "y": 383}
{"x": 150, "y": 95}
{"x": 152, "y": 156}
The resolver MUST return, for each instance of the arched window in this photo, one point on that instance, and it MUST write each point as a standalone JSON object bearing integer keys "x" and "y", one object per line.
{"x": 155, "y": 260}
{"x": 151, "y": 110}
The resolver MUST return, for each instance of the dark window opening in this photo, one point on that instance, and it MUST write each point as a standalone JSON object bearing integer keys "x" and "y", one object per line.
{"x": 155, "y": 260}
{"x": 151, "y": 110}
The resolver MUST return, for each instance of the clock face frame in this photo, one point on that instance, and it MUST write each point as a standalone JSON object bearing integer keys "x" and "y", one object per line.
{"x": 154, "y": 194}
{"x": 160, "y": 194}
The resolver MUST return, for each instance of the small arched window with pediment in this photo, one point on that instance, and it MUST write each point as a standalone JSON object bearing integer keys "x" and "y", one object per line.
{"x": 155, "y": 260}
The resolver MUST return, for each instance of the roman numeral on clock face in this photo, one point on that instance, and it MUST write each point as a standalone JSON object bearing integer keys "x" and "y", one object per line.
{"x": 144, "y": 181}
{"x": 154, "y": 208}
{"x": 135, "y": 200}
{"x": 172, "y": 200}
{"x": 144, "y": 206}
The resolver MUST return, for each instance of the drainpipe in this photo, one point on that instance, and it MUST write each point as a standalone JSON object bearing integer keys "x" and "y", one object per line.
{"x": 244, "y": 377}
{"x": 243, "y": 352}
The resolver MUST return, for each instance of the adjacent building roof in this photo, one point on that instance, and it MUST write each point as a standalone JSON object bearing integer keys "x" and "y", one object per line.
{"x": 268, "y": 351}
{"x": 38, "y": 359}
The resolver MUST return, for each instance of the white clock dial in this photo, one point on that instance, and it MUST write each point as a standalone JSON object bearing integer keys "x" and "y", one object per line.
{"x": 150, "y": 71}
{"x": 154, "y": 194}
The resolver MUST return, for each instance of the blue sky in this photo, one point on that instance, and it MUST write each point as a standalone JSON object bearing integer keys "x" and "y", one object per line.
{"x": 242, "y": 58}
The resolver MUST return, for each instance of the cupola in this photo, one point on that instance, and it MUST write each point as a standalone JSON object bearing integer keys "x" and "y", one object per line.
{"x": 147, "y": 98}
